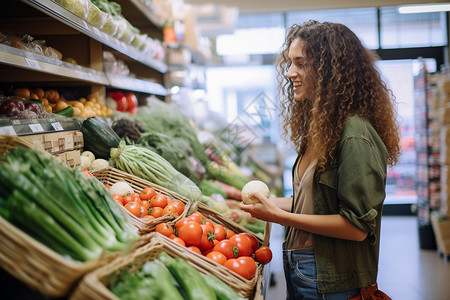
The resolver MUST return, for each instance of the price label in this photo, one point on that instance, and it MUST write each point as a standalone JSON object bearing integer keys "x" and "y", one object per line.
{"x": 32, "y": 63}
{"x": 9, "y": 130}
{"x": 57, "y": 126}
{"x": 36, "y": 127}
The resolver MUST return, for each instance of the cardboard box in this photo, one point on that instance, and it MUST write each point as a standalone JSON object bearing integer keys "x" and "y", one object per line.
{"x": 66, "y": 145}
{"x": 441, "y": 228}
{"x": 73, "y": 158}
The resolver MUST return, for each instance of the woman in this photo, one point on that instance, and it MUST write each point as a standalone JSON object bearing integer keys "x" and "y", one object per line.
{"x": 342, "y": 121}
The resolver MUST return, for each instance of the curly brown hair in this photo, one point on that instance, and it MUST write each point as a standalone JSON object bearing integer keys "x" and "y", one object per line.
{"x": 347, "y": 83}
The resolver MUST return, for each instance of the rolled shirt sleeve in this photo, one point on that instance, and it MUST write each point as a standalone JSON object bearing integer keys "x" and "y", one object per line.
{"x": 362, "y": 183}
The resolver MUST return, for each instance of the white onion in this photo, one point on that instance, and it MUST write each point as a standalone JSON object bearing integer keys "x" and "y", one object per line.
{"x": 254, "y": 186}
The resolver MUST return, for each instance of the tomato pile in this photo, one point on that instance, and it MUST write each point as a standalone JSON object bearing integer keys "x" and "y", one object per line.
{"x": 238, "y": 252}
{"x": 149, "y": 205}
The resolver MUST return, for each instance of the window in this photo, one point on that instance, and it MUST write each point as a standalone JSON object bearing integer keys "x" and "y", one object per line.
{"x": 362, "y": 21}
{"x": 411, "y": 30}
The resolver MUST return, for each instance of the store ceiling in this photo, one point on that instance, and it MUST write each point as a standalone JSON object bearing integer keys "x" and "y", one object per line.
{"x": 260, "y": 6}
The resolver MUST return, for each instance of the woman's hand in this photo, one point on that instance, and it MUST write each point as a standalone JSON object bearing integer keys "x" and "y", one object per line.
{"x": 265, "y": 209}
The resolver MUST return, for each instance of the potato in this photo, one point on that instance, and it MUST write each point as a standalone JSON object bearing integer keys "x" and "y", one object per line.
{"x": 40, "y": 92}
{"x": 60, "y": 105}
{"x": 22, "y": 92}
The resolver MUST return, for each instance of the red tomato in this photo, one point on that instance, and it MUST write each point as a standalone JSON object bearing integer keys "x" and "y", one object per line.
{"x": 118, "y": 198}
{"x": 119, "y": 202}
{"x": 249, "y": 264}
{"x": 219, "y": 232}
{"x": 204, "y": 253}
{"x": 145, "y": 205}
{"x": 228, "y": 248}
{"x": 164, "y": 229}
{"x": 196, "y": 219}
{"x": 144, "y": 212}
{"x": 134, "y": 208}
{"x": 243, "y": 243}
{"x": 181, "y": 222}
{"x": 136, "y": 198}
{"x": 107, "y": 186}
{"x": 147, "y": 193}
{"x": 148, "y": 218}
{"x": 159, "y": 200}
{"x": 178, "y": 240}
{"x": 263, "y": 255}
{"x": 179, "y": 205}
{"x": 217, "y": 256}
{"x": 191, "y": 234}
{"x": 132, "y": 102}
{"x": 133, "y": 197}
{"x": 253, "y": 241}
{"x": 197, "y": 213}
{"x": 208, "y": 222}
{"x": 195, "y": 249}
{"x": 120, "y": 99}
{"x": 234, "y": 265}
{"x": 230, "y": 233}
{"x": 170, "y": 209}
{"x": 156, "y": 211}
{"x": 207, "y": 240}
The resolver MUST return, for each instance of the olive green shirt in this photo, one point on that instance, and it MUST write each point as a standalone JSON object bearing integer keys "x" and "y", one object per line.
{"x": 355, "y": 188}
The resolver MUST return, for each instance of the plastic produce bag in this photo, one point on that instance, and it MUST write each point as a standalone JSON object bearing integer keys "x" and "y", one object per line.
{"x": 77, "y": 7}
{"x": 96, "y": 17}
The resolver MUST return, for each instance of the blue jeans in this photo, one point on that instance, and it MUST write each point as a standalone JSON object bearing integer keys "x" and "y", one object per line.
{"x": 301, "y": 277}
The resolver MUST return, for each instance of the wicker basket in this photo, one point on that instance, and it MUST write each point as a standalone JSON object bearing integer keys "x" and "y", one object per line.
{"x": 38, "y": 266}
{"x": 94, "y": 284}
{"x": 7, "y": 142}
{"x": 112, "y": 175}
{"x": 216, "y": 217}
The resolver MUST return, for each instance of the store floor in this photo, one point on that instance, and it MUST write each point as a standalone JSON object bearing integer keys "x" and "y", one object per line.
{"x": 405, "y": 271}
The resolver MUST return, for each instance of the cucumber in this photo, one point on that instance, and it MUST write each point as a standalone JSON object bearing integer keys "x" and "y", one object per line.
{"x": 99, "y": 137}
{"x": 66, "y": 112}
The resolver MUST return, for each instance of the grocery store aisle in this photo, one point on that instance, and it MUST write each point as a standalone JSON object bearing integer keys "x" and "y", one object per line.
{"x": 405, "y": 271}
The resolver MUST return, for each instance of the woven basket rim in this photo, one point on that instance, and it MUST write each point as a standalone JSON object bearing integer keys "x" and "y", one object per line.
{"x": 112, "y": 174}
{"x": 93, "y": 284}
{"x": 39, "y": 260}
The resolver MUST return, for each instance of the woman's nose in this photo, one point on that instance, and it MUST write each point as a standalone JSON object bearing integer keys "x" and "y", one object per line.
{"x": 291, "y": 73}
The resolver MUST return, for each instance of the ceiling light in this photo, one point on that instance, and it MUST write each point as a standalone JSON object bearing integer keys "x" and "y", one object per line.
{"x": 423, "y": 8}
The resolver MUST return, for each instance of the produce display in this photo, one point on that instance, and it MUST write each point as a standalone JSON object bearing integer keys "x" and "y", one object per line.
{"x": 145, "y": 163}
{"x": 234, "y": 251}
{"x": 169, "y": 278}
{"x": 99, "y": 138}
{"x": 155, "y": 172}
{"x": 26, "y": 103}
{"x": 77, "y": 219}
{"x": 147, "y": 204}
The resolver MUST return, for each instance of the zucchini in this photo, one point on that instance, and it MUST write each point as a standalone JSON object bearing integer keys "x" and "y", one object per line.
{"x": 188, "y": 277}
{"x": 221, "y": 289}
{"x": 66, "y": 112}
{"x": 99, "y": 137}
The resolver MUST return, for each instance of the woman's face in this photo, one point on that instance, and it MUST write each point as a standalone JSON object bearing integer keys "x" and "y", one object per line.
{"x": 300, "y": 71}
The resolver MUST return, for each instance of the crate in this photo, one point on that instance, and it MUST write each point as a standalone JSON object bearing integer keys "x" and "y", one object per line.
{"x": 112, "y": 175}
{"x": 441, "y": 228}
{"x": 94, "y": 284}
{"x": 66, "y": 145}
